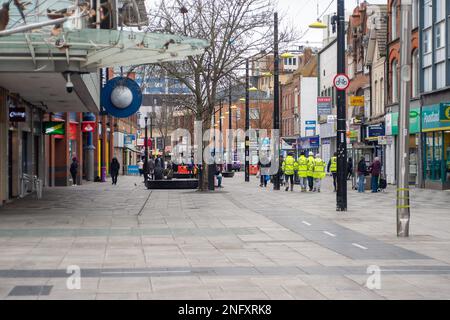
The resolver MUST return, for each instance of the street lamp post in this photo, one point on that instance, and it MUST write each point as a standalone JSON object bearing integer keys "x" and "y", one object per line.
{"x": 145, "y": 151}
{"x": 247, "y": 122}
{"x": 341, "y": 194}
{"x": 403, "y": 207}
{"x": 229, "y": 153}
{"x": 276, "y": 104}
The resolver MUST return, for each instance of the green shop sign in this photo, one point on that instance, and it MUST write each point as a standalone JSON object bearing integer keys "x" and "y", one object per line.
{"x": 54, "y": 127}
{"x": 436, "y": 117}
{"x": 392, "y": 122}
{"x": 444, "y": 112}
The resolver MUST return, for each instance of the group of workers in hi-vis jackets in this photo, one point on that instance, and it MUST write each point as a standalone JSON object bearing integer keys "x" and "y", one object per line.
{"x": 310, "y": 170}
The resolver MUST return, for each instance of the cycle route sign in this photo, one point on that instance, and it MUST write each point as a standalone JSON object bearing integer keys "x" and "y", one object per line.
{"x": 341, "y": 81}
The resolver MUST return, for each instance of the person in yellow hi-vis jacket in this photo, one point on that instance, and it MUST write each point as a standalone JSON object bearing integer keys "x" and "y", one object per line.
{"x": 332, "y": 167}
{"x": 319, "y": 172}
{"x": 303, "y": 171}
{"x": 289, "y": 167}
{"x": 310, "y": 171}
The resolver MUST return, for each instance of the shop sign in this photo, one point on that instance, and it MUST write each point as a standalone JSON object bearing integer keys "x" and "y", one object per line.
{"x": 17, "y": 114}
{"x": 73, "y": 131}
{"x": 356, "y": 101}
{"x": 445, "y": 112}
{"x": 385, "y": 140}
{"x": 323, "y": 106}
{"x": 375, "y": 130}
{"x": 391, "y": 121}
{"x": 432, "y": 116}
{"x": 140, "y": 142}
{"x": 88, "y": 126}
{"x": 129, "y": 138}
{"x": 54, "y": 127}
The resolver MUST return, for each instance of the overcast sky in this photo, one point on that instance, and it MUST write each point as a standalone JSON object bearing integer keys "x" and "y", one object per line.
{"x": 303, "y": 12}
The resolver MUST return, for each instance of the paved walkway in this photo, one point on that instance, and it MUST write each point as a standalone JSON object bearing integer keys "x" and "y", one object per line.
{"x": 241, "y": 242}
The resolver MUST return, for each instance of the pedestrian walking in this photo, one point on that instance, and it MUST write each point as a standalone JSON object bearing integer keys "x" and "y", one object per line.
{"x": 74, "y": 170}
{"x": 332, "y": 167}
{"x": 362, "y": 172}
{"x": 349, "y": 168}
{"x": 289, "y": 167}
{"x": 169, "y": 170}
{"x": 141, "y": 167}
{"x": 151, "y": 168}
{"x": 114, "y": 170}
{"x": 264, "y": 166}
{"x": 310, "y": 170}
{"x": 303, "y": 171}
{"x": 375, "y": 171}
{"x": 219, "y": 176}
{"x": 318, "y": 172}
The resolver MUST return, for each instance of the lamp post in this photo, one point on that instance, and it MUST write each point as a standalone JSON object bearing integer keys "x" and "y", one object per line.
{"x": 247, "y": 122}
{"x": 341, "y": 194}
{"x": 403, "y": 207}
{"x": 145, "y": 152}
{"x": 276, "y": 104}
{"x": 229, "y": 153}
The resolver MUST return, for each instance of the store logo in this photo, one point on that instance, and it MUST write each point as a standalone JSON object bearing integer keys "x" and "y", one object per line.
{"x": 429, "y": 118}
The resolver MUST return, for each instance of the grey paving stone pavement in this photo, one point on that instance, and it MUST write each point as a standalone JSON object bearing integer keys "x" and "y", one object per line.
{"x": 239, "y": 242}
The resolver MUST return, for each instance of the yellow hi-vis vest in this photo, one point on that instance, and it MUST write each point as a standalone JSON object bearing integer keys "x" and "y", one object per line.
{"x": 289, "y": 166}
{"x": 319, "y": 169}
{"x": 333, "y": 166}
{"x": 310, "y": 166}
{"x": 302, "y": 167}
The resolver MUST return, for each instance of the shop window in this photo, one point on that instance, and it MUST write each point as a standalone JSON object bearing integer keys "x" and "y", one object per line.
{"x": 437, "y": 156}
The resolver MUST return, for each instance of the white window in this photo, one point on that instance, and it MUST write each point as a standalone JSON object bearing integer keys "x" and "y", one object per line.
{"x": 415, "y": 13}
{"x": 427, "y": 79}
{"x": 415, "y": 74}
{"x": 440, "y": 10}
{"x": 394, "y": 81}
{"x": 427, "y": 13}
{"x": 440, "y": 75}
{"x": 394, "y": 21}
{"x": 440, "y": 35}
{"x": 427, "y": 41}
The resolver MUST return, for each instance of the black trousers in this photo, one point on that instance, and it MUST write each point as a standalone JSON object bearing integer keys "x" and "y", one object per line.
{"x": 310, "y": 182}
{"x": 114, "y": 178}
{"x": 334, "y": 180}
{"x": 74, "y": 177}
{"x": 262, "y": 180}
{"x": 289, "y": 178}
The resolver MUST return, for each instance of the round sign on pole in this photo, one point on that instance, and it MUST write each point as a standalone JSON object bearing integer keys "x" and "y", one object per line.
{"x": 341, "y": 81}
{"x": 121, "y": 97}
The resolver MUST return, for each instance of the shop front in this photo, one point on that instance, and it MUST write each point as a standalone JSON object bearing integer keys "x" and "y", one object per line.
{"x": 391, "y": 142}
{"x": 436, "y": 145}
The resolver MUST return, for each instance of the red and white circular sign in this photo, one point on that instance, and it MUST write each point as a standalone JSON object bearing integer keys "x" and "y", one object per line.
{"x": 341, "y": 81}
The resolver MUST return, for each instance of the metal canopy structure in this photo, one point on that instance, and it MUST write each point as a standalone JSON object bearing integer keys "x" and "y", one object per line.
{"x": 90, "y": 49}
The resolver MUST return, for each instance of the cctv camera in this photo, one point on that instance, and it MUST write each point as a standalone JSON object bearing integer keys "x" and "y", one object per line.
{"x": 69, "y": 84}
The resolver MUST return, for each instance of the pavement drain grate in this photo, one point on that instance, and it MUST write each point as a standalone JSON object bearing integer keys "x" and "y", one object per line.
{"x": 30, "y": 291}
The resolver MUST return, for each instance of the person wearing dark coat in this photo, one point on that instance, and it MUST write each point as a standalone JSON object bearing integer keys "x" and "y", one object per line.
{"x": 74, "y": 170}
{"x": 375, "y": 171}
{"x": 362, "y": 172}
{"x": 349, "y": 168}
{"x": 159, "y": 172}
{"x": 114, "y": 170}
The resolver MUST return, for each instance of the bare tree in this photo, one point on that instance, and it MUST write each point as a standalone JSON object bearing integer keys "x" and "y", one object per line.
{"x": 235, "y": 30}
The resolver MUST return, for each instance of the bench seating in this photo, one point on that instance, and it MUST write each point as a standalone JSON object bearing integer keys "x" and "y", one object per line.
{"x": 173, "y": 184}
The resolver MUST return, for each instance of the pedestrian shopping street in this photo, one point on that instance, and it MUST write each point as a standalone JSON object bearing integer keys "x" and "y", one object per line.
{"x": 239, "y": 242}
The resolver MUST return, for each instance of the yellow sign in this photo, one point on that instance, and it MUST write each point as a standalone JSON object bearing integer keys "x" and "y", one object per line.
{"x": 356, "y": 101}
{"x": 445, "y": 112}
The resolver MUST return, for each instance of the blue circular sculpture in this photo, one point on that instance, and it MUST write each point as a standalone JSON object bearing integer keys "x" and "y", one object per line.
{"x": 121, "y": 97}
